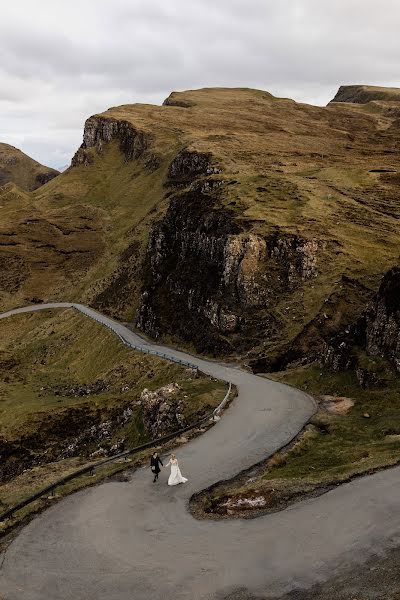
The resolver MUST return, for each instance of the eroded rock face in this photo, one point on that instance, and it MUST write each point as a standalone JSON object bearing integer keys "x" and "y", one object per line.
{"x": 162, "y": 410}
{"x": 98, "y": 131}
{"x": 383, "y": 320}
{"x": 67, "y": 435}
{"x": 188, "y": 165}
{"x": 174, "y": 99}
{"x": 81, "y": 157}
{"x": 101, "y": 434}
{"x": 211, "y": 283}
{"x": 299, "y": 255}
{"x": 337, "y": 355}
{"x": 376, "y": 333}
{"x": 243, "y": 256}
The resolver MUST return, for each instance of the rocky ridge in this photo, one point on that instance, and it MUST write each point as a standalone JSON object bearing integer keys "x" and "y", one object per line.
{"x": 99, "y": 131}
{"x": 362, "y": 94}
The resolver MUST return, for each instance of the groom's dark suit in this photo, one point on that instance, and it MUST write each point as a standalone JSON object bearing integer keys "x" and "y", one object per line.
{"x": 155, "y": 466}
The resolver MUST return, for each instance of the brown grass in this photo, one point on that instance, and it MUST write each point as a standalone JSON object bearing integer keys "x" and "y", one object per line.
{"x": 294, "y": 169}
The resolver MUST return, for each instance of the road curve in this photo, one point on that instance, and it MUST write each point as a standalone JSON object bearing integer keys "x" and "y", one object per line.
{"x": 136, "y": 540}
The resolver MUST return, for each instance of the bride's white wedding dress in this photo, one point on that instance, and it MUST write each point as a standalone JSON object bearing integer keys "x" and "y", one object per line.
{"x": 175, "y": 475}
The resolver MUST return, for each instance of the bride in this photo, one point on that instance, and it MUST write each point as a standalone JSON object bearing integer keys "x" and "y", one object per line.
{"x": 176, "y": 475}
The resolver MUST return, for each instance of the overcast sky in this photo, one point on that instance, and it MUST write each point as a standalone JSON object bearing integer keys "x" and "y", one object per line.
{"x": 63, "y": 60}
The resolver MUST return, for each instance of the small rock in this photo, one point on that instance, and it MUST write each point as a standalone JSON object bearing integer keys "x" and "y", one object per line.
{"x": 366, "y": 415}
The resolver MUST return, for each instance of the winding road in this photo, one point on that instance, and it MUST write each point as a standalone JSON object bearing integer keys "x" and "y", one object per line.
{"x": 136, "y": 540}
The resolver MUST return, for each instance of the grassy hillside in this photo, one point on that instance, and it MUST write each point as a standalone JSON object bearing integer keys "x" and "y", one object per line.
{"x": 69, "y": 387}
{"x": 355, "y": 432}
{"x": 227, "y": 218}
{"x": 16, "y": 167}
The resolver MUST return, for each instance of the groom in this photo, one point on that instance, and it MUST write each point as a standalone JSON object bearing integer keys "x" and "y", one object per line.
{"x": 155, "y": 465}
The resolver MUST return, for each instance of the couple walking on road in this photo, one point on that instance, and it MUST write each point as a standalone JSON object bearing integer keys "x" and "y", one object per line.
{"x": 175, "y": 475}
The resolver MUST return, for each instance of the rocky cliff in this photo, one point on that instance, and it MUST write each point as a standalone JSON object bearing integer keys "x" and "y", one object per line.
{"x": 382, "y": 320}
{"x": 98, "y": 131}
{"x": 214, "y": 283}
{"x": 227, "y": 219}
{"x": 374, "y": 335}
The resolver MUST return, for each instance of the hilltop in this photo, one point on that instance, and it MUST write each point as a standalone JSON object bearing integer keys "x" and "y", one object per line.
{"x": 362, "y": 94}
{"x": 19, "y": 168}
{"x": 228, "y": 219}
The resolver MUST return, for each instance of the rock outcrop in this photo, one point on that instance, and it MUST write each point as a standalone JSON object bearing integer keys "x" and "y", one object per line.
{"x": 45, "y": 177}
{"x": 99, "y": 130}
{"x": 187, "y": 165}
{"x": 210, "y": 282}
{"x": 162, "y": 410}
{"x": 376, "y": 333}
{"x": 66, "y": 435}
{"x": 382, "y": 320}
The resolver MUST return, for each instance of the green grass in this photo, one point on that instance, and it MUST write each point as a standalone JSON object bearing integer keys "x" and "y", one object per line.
{"x": 45, "y": 355}
{"x": 68, "y": 349}
{"x": 333, "y": 448}
{"x": 344, "y": 445}
{"x": 63, "y": 348}
{"x": 127, "y": 196}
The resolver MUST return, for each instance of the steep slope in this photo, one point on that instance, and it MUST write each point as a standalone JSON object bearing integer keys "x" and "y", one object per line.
{"x": 18, "y": 168}
{"x": 238, "y": 222}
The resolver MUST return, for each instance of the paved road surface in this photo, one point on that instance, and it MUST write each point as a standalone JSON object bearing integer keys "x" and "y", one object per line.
{"x": 136, "y": 540}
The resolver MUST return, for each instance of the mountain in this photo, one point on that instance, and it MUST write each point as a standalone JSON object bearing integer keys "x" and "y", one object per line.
{"x": 19, "y": 168}
{"x": 230, "y": 220}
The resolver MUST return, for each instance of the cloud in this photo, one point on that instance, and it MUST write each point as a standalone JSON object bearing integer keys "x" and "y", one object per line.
{"x": 62, "y": 61}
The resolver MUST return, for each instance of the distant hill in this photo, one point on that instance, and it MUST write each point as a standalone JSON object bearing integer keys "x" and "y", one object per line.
{"x": 19, "y": 168}
{"x": 361, "y": 94}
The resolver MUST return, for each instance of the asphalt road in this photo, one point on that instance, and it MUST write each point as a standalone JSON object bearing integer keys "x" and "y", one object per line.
{"x": 136, "y": 540}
